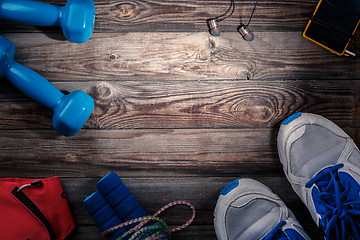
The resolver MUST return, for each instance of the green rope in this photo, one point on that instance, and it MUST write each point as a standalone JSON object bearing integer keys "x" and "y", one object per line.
{"x": 159, "y": 230}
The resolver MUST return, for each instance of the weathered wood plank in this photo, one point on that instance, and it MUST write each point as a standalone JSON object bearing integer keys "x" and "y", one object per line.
{"x": 167, "y": 152}
{"x": 186, "y": 16}
{"x": 198, "y": 232}
{"x": 180, "y": 104}
{"x": 142, "y": 152}
{"x": 201, "y": 192}
{"x": 179, "y": 56}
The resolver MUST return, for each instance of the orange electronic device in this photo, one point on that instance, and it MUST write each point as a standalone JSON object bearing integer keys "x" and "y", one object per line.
{"x": 333, "y": 25}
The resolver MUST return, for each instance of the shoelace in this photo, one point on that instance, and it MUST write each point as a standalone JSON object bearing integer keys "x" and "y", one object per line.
{"x": 151, "y": 227}
{"x": 277, "y": 233}
{"x": 341, "y": 219}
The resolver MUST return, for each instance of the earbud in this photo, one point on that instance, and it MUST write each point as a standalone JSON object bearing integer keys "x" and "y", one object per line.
{"x": 242, "y": 29}
{"x": 213, "y": 27}
{"x": 245, "y": 33}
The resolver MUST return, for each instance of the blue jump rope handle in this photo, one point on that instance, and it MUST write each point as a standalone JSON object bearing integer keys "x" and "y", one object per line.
{"x": 103, "y": 214}
{"x": 119, "y": 197}
{"x": 30, "y": 12}
{"x": 113, "y": 204}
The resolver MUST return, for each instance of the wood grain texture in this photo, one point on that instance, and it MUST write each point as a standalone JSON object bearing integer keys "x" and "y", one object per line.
{"x": 186, "y": 16}
{"x": 166, "y": 152}
{"x": 143, "y": 152}
{"x": 198, "y": 104}
{"x": 199, "y": 232}
{"x": 179, "y": 56}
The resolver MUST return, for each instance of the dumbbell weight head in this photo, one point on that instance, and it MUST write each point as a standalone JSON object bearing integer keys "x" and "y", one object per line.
{"x": 72, "y": 112}
{"x": 77, "y": 20}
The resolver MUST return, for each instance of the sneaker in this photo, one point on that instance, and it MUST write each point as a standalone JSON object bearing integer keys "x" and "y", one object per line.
{"x": 322, "y": 163}
{"x": 247, "y": 209}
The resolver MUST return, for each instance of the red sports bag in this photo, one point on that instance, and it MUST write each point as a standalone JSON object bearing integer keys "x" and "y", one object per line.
{"x": 34, "y": 209}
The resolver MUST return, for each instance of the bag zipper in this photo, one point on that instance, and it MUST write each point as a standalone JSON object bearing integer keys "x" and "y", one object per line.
{"x": 33, "y": 208}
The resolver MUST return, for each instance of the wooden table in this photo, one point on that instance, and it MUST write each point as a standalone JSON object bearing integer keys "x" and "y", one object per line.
{"x": 178, "y": 113}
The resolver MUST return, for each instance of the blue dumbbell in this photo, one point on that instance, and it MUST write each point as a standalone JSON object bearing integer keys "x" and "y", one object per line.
{"x": 103, "y": 214}
{"x": 76, "y": 18}
{"x": 119, "y": 197}
{"x": 70, "y": 111}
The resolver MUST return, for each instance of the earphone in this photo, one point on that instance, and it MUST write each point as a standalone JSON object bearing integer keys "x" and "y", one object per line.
{"x": 213, "y": 27}
{"x": 245, "y": 33}
{"x": 242, "y": 29}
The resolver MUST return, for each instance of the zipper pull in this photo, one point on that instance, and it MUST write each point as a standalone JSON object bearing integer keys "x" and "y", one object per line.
{"x": 37, "y": 183}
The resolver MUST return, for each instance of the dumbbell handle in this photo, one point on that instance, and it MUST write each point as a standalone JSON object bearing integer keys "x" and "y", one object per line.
{"x": 33, "y": 85}
{"x": 30, "y": 12}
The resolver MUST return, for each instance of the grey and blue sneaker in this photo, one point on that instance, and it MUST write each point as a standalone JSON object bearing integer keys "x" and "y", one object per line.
{"x": 322, "y": 164}
{"x": 247, "y": 209}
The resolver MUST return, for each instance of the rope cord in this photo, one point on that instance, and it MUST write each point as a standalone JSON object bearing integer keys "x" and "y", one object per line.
{"x": 151, "y": 227}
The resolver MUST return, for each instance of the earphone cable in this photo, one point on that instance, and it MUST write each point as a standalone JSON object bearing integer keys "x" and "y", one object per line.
{"x": 252, "y": 13}
{"x": 223, "y": 16}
